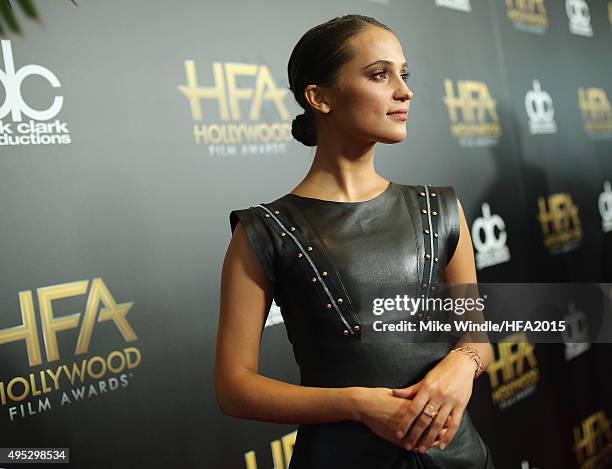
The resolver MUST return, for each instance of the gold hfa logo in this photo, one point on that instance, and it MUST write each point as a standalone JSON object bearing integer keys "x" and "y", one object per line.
{"x": 593, "y": 441}
{"x": 596, "y": 111}
{"x": 228, "y": 96}
{"x": 561, "y": 226}
{"x": 532, "y": 6}
{"x": 529, "y": 15}
{"x": 517, "y": 380}
{"x": 281, "y": 452}
{"x": 478, "y": 123}
{"x": 514, "y": 353}
{"x": 99, "y": 295}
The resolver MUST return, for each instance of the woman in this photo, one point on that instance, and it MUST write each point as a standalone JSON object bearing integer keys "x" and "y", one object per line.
{"x": 319, "y": 250}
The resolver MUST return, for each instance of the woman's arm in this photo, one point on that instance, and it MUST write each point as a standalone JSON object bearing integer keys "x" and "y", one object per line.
{"x": 246, "y": 295}
{"x": 462, "y": 270}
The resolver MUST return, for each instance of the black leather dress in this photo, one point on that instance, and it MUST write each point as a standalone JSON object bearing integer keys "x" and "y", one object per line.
{"x": 326, "y": 259}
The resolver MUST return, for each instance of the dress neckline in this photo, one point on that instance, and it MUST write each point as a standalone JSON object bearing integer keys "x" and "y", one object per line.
{"x": 301, "y": 197}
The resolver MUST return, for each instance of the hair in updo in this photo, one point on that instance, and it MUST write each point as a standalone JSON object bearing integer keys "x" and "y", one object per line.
{"x": 316, "y": 59}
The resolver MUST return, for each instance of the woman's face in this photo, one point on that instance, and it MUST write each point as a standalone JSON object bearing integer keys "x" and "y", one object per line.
{"x": 370, "y": 87}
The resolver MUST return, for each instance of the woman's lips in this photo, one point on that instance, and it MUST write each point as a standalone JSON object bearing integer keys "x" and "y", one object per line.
{"x": 402, "y": 116}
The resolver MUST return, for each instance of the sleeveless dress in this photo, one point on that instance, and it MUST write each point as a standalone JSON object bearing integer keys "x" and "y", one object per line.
{"x": 325, "y": 260}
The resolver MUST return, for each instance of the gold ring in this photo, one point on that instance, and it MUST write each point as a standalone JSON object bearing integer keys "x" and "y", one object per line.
{"x": 430, "y": 411}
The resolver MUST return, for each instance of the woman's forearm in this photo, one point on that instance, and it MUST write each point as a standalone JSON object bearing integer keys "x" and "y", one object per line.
{"x": 485, "y": 349}
{"x": 252, "y": 396}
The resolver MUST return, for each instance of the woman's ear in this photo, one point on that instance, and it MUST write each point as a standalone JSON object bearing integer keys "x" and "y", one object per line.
{"x": 317, "y": 97}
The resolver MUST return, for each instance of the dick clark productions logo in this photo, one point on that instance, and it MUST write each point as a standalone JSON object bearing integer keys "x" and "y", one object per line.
{"x": 36, "y": 130}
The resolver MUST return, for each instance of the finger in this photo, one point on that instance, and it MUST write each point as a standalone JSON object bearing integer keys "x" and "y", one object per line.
{"x": 440, "y": 435}
{"x": 406, "y": 393}
{"x": 412, "y": 412}
{"x": 432, "y": 431}
{"x": 453, "y": 426}
{"x": 416, "y": 430}
{"x": 436, "y": 442}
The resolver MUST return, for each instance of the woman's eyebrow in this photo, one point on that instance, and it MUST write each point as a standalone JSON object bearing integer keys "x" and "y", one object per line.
{"x": 385, "y": 62}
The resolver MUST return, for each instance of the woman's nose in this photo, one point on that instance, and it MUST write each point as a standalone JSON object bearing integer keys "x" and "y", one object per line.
{"x": 406, "y": 94}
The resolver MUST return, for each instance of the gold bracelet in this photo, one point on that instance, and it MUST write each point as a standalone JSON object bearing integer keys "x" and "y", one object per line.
{"x": 474, "y": 354}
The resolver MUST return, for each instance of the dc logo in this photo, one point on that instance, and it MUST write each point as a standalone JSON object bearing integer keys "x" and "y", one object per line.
{"x": 487, "y": 224}
{"x": 578, "y": 12}
{"x": 540, "y": 110}
{"x": 576, "y": 336}
{"x": 579, "y": 17}
{"x": 605, "y": 207}
{"x": 491, "y": 248}
{"x": 538, "y": 104}
{"x": 12, "y": 79}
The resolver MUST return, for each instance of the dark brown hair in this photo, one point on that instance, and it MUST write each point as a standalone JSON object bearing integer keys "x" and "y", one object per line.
{"x": 316, "y": 59}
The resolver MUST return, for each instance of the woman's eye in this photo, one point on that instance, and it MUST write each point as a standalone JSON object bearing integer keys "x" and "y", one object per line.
{"x": 405, "y": 76}
{"x": 379, "y": 73}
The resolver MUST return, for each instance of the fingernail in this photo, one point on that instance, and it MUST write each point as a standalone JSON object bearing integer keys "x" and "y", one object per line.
{"x": 422, "y": 449}
{"x": 408, "y": 446}
{"x": 442, "y": 446}
{"x": 399, "y": 434}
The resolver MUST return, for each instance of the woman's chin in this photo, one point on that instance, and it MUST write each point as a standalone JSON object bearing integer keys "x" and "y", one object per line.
{"x": 395, "y": 138}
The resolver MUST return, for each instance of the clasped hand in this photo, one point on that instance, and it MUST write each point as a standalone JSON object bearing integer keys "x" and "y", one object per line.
{"x": 397, "y": 414}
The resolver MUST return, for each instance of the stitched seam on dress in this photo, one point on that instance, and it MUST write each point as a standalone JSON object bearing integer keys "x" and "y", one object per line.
{"x": 431, "y": 260}
{"x": 436, "y": 228}
{"x": 337, "y": 273}
{"x": 314, "y": 268}
{"x": 306, "y": 268}
{"x": 334, "y": 266}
